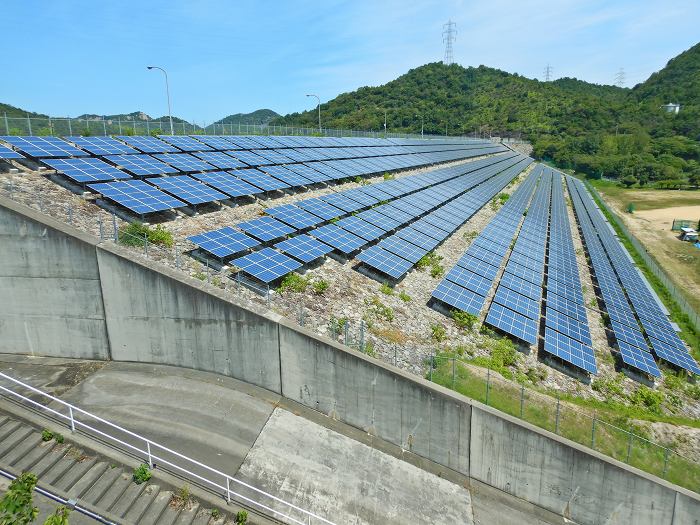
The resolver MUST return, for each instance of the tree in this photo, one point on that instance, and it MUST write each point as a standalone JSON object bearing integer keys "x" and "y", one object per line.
{"x": 59, "y": 516}
{"x": 16, "y": 505}
{"x": 629, "y": 181}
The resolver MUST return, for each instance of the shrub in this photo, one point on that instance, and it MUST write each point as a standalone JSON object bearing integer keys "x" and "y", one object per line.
{"x": 630, "y": 207}
{"x": 370, "y": 350}
{"x": 464, "y": 319}
{"x": 536, "y": 374}
{"x": 694, "y": 392}
{"x": 59, "y": 516}
{"x": 386, "y": 289}
{"x": 16, "y": 505}
{"x": 293, "y": 282}
{"x": 215, "y": 513}
{"x": 241, "y": 517}
{"x": 59, "y": 438}
{"x": 609, "y": 387}
{"x": 438, "y": 332}
{"x": 647, "y": 398}
{"x": 436, "y": 270}
{"x": 388, "y": 176}
{"x": 405, "y": 297}
{"x": 142, "y": 474}
{"x": 380, "y": 310}
{"x": 319, "y": 287}
{"x": 503, "y": 353}
{"x": 135, "y": 234}
{"x": 46, "y": 435}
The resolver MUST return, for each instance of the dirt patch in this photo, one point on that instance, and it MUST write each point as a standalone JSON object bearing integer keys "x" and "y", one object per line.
{"x": 684, "y": 440}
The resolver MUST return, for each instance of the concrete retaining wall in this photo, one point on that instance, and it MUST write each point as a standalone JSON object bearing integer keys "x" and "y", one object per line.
{"x": 65, "y": 295}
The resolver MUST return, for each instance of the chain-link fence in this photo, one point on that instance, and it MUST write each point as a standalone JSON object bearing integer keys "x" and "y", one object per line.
{"x": 651, "y": 263}
{"x": 564, "y": 418}
{"x": 62, "y": 127}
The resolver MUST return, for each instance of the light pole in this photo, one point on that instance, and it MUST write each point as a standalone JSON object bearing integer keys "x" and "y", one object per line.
{"x": 167, "y": 92}
{"x": 421, "y": 124}
{"x": 319, "y": 111}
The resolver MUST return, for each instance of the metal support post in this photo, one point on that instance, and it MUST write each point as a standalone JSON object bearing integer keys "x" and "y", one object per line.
{"x": 629, "y": 447}
{"x": 72, "y": 420}
{"x": 556, "y": 420}
{"x": 522, "y": 401}
{"x": 114, "y": 227}
{"x": 70, "y": 127}
{"x": 148, "y": 450}
{"x": 593, "y": 432}
{"x": 488, "y": 384}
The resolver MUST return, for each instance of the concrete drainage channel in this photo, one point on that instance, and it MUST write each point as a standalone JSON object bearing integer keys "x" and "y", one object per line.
{"x": 99, "y": 484}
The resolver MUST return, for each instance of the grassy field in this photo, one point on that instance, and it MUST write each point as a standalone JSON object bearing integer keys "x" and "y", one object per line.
{"x": 588, "y": 427}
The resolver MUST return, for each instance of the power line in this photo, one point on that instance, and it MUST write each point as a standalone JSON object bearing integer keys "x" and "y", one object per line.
{"x": 548, "y": 73}
{"x": 620, "y": 78}
{"x": 449, "y": 35}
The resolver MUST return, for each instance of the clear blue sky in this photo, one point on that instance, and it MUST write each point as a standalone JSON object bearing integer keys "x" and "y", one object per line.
{"x": 68, "y": 57}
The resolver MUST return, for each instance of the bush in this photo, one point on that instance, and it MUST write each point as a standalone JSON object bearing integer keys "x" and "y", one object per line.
{"x": 293, "y": 282}
{"x": 215, "y": 513}
{"x": 647, "y": 398}
{"x": 536, "y": 375}
{"x": 319, "y": 287}
{"x": 16, "y": 505}
{"x": 405, "y": 297}
{"x": 59, "y": 516}
{"x": 438, "y": 332}
{"x": 142, "y": 474}
{"x": 609, "y": 387}
{"x": 386, "y": 289}
{"x": 436, "y": 270}
{"x": 388, "y": 176}
{"x": 503, "y": 353}
{"x": 379, "y": 309}
{"x": 630, "y": 207}
{"x": 135, "y": 234}
{"x": 46, "y": 435}
{"x": 464, "y": 319}
{"x": 241, "y": 517}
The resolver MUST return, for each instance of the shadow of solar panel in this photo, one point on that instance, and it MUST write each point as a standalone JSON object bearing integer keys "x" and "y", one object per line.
{"x": 219, "y": 159}
{"x": 294, "y": 216}
{"x": 7, "y": 153}
{"x": 265, "y": 228}
{"x": 638, "y": 358}
{"x": 567, "y": 326}
{"x": 304, "y": 248}
{"x": 518, "y": 303}
{"x": 188, "y": 189}
{"x": 380, "y": 221}
{"x": 418, "y": 238}
{"x": 185, "y": 143}
{"x": 385, "y": 262}
{"x": 403, "y": 249}
{"x": 358, "y": 227}
{"x": 147, "y": 144}
{"x": 338, "y": 238}
{"x": 142, "y": 165}
{"x": 569, "y": 350}
{"x": 512, "y": 323}
{"x": 227, "y": 184}
{"x": 137, "y": 196}
{"x": 458, "y": 297}
{"x": 86, "y": 169}
{"x": 261, "y": 180}
{"x": 469, "y": 280}
{"x": 521, "y": 286}
{"x": 101, "y": 145}
{"x": 266, "y": 265}
{"x": 42, "y": 147}
{"x": 223, "y": 242}
{"x": 570, "y": 308}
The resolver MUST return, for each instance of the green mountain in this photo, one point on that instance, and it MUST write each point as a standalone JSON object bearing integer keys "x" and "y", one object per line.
{"x": 138, "y": 116}
{"x": 592, "y": 128}
{"x": 261, "y": 116}
{"x": 13, "y": 112}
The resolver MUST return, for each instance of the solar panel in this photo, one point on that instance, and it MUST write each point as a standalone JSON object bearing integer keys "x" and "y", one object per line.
{"x": 101, "y": 145}
{"x": 381, "y": 221}
{"x": 228, "y": 184}
{"x": 83, "y": 169}
{"x": 259, "y": 179}
{"x": 293, "y": 216}
{"x": 265, "y": 228}
{"x": 341, "y": 201}
{"x": 384, "y": 261}
{"x": 7, "y": 153}
{"x": 188, "y": 189}
{"x": 360, "y": 228}
{"x": 216, "y": 142}
{"x": 417, "y": 238}
{"x": 512, "y": 323}
{"x": 285, "y": 175}
{"x": 184, "y": 162}
{"x": 639, "y": 359}
{"x": 469, "y": 280}
{"x": 568, "y": 326}
{"x": 458, "y": 297}
{"x": 304, "y": 248}
{"x": 249, "y": 158}
{"x": 518, "y": 303}
{"x": 310, "y": 174}
{"x": 266, "y": 265}
{"x": 141, "y": 164}
{"x": 147, "y": 144}
{"x": 320, "y": 208}
{"x": 629, "y": 334}
{"x": 569, "y": 350}
{"x": 677, "y": 357}
{"x": 137, "y": 196}
{"x": 42, "y": 147}
{"x": 570, "y": 308}
{"x": 340, "y": 239}
{"x": 185, "y": 143}
{"x": 223, "y": 242}
{"x": 219, "y": 159}
{"x": 403, "y": 248}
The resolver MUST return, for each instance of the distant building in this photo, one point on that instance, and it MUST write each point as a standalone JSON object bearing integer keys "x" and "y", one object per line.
{"x": 671, "y": 107}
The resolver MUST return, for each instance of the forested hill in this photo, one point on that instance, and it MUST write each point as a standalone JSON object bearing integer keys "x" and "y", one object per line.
{"x": 592, "y": 128}
{"x": 260, "y": 116}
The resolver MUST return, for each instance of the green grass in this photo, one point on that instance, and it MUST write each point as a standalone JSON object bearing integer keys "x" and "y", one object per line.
{"x": 611, "y": 433}
{"x": 646, "y": 198}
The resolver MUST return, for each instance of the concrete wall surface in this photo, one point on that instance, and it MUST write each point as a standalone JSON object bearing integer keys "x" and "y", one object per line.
{"x": 63, "y": 294}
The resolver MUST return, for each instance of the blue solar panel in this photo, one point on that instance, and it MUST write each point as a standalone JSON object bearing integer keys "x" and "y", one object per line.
{"x": 184, "y": 142}
{"x": 265, "y": 228}
{"x": 320, "y": 208}
{"x": 639, "y": 359}
{"x": 518, "y": 303}
{"x": 250, "y": 158}
{"x": 469, "y": 280}
{"x": 381, "y": 221}
{"x": 7, "y": 153}
{"x": 294, "y": 216}
{"x": 148, "y": 144}
{"x": 572, "y": 309}
{"x": 675, "y": 356}
{"x": 266, "y": 264}
{"x": 403, "y": 248}
{"x": 188, "y": 189}
{"x": 285, "y": 175}
{"x": 418, "y": 238}
{"x": 569, "y": 350}
{"x": 521, "y": 286}
{"x": 141, "y": 164}
{"x": 458, "y": 297}
{"x": 216, "y": 142}
{"x": 341, "y": 201}
{"x": 137, "y": 196}
{"x": 184, "y": 162}
{"x": 512, "y": 323}
{"x": 228, "y": 184}
{"x": 340, "y": 239}
{"x": 223, "y": 242}
{"x": 88, "y": 169}
{"x": 478, "y": 266}
{"x": 101, "y": 145}
{"x": 219, "y": 159}
{"x": 308, "y": 173}
{"x": 384, "y": 261}
{"x": 360, "y": 228}
{"x": 629, "y": 334}
{"x": 42, "y": 147}
{"x": 568, "y": 326}
{"x": 304, "y": 248}
{"x": 260, "y": 179}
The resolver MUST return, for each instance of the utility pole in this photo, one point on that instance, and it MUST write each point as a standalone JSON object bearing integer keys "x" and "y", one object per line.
{"x": 620, "y": 78}
{"x": 548, "y": 73}
{"x": 449, "y": 35}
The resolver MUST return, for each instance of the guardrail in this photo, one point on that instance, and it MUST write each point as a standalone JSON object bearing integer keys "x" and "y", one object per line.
{"x": 153, "y": 452}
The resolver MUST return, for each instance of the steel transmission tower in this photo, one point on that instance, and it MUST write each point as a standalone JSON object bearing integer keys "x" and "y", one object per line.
{"x": 620, "y": 78}
{"x": 548, "y": 73}
{"x": 449, "y": 35}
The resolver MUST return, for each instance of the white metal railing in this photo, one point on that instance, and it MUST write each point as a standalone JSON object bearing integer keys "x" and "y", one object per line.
{"x": 151, "y": 452}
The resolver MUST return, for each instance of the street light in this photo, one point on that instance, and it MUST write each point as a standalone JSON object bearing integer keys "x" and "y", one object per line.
{"x": 319, "y": 111}
{"x": 421, "y": 124}
{"x": 167, "y": 92}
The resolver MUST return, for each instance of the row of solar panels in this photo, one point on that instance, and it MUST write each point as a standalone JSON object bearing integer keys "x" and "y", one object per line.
{"x": 294, "y": 148}
{"x": 418, "y": 196}
{"x": 636, "y": 318}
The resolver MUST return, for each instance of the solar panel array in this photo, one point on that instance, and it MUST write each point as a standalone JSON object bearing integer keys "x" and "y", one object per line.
{"x": 486, "y": 253}
{"x": 522, "y": 279}
{"x": 637, "y": 320}
{"x": 87, "y": 169}
{"x": 137, "y": 195}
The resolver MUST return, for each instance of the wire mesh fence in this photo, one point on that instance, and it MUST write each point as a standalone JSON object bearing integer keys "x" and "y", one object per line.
{"x": 563, "y": 418}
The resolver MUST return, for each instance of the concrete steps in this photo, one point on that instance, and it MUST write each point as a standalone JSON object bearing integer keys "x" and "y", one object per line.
{"x": 105, "y": 485}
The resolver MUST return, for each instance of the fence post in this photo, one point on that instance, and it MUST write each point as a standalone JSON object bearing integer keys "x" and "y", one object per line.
{"x": 145, "y": 244}
{"x": 362, "y": 335}
{"x": 29, "y": 125}
{"x": 593, "y": 431}
{"x": 70, "y": 127}
{"x": 114, "y": 227}
{"x": 70, "y": 214}
{"x": 522, "y": 400}
{"x": 228, "y": 490}
{"x": 148, "y": 450}
{"x": 7, "y": 125}
{"x": 50, "y": 127}
{"x": 104, "y": 126}
{"x": 345, "y": 335}
{"x": 629, "y": 447}
{"x": 488, "y": 384}
{"x": 432, "y": 360}
{"x": 454, "y": 370}
{"x": 119, "y": 123}
{"x": 268, "y": 295}
{"x": 102, "y": 233}
{"x": 148, "y": 127}
{"x": 666, "y": 453}
{"x": 72, "y": 420}
{"x": 556, "y": 421}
